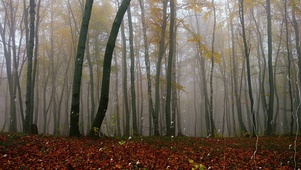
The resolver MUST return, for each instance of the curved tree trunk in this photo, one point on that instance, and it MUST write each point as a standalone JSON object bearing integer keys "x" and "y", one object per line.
{"x": 74, "y": 116}
{"x": 104, "y": 98}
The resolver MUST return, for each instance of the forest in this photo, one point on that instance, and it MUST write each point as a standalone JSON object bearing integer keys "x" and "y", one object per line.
{"x": 189, "y": 67}
{"x": 150, "y": 84}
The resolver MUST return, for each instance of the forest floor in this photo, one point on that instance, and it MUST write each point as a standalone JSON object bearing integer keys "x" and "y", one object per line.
{"x": 20, "y": 151}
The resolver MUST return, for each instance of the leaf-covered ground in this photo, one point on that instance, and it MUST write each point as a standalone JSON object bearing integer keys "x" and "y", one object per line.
{"x": 19, "y": 151}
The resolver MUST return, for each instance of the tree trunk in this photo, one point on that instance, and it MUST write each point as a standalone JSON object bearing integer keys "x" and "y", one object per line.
{"x": 35, "y": 68}
{"x": 159, "y": 62}
{"x": 289, "y": 54}
{"x": 91, "y": 82}
{"x": 104, "y": 99}
{"x": 270, "y": 67}
{"x": 75, "y": 104}
{"x": 212, "y": 126}
{"x": 298, "y": 48}
{"x": 29, "y": 90}
{"x": 247, "y": 56}
{"x": 124, "y": 82}
{"x": 147, "y": 65}
{"x": 132, "y": 72}
{"x": 118, "y": 129}
{"x": 170, "y": 124}
{"x": 235, "y": 83}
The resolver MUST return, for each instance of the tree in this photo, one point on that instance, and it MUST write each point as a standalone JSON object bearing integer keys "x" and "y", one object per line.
{"x": 8, "y": 33}
{"x": 147, "y": 65}
{"x": 212, "y": 127}
{"x": 104, "y": 98}
{"x": 74, "y": 116}
{"x": 170, "y": 125}
{"x": 247, "y": 56}
{"x": 270, "y": 67}
{"x": 298, "y": 49}
{"x": 289, "y": 77}
{"x": 29, "y": 90}
{"x": 236, "y": 90}
{"x": 159, "y": 62}
{"x": 132, "y": 72}
{"x": 124, "y": 82}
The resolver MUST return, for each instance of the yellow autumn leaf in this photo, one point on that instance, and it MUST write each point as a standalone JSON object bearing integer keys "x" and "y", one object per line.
{"x": 191, "y": 161}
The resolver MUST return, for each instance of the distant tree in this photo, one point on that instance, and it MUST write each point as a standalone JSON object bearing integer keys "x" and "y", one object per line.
{"x": 104, "y": 98}
{"x": 9, "y": 39}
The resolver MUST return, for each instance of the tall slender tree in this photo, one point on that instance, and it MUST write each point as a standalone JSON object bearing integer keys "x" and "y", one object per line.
{"x": 160, "y": 57}
{"x": 104, "y": 98}
{"x": 247, "y": 56}
{"x": 212, "y": 127}
{"x": 289, "y": 76}
{"x": 125, "y": 81}
{"x": 298, "y": 49}
{"x": 74, "y": 116}
{"x": 148, "y": 75}
{"x": 170, "y": 124}
{"x": 29, "y": 90}
{"x": 132, "y": 71}
{"x": 270, "y": 68}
